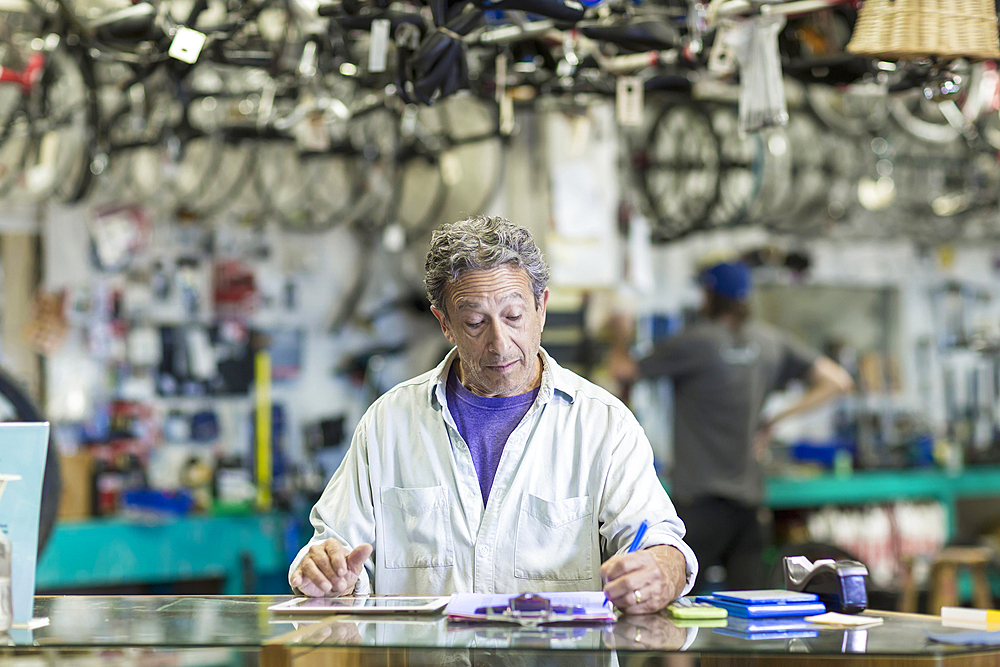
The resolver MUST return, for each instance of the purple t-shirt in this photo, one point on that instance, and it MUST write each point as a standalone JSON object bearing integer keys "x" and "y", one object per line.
{"x": 485, "y": 424}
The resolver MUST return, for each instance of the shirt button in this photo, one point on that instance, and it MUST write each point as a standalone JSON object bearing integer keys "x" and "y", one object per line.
{"x": 482, "y": 551}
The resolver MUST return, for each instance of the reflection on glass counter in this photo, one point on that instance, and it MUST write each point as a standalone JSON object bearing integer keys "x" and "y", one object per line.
{"x": 239, "y": 630}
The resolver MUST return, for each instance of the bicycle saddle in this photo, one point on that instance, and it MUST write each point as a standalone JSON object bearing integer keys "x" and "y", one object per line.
{"x": 638, "y": 35}
{"x": 131, "y": 23}
{"x": 832, "y": 70}
{"x": 840, "y": 584}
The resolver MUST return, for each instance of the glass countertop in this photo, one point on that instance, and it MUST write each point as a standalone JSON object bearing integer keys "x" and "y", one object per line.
{"x": 86, "y": 621}
{"x": 244, "y": 622}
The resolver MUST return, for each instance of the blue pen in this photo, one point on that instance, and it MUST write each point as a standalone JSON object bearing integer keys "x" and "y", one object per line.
{"x": 636, "y": 541}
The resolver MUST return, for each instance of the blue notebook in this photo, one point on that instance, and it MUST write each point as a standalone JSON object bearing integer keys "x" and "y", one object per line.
{"x": 765, "y": 603}
{"x": 766, "y": 596}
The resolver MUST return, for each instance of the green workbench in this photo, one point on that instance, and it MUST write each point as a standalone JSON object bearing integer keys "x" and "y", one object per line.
{"x": 878, "y": 486}
{"x": 119, "y": 551}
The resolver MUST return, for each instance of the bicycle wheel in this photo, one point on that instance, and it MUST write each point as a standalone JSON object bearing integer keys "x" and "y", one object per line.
{"x": 741, "y": 162}
{"x": 237, "y": 162}
{"x": 63, "y": 111}
{"x": 926, "y": 120}
{"x": 855, "y": 111}
{"x": 16, "y": 405}
{"x": 776, "y": 182}
{"x": 15, "y": 140}
{"x": 680, "y": 169}
{"x": 474, "y": 157}
{"x": 334, "y": 190}
{"x": 810, "y": 147}
{"x": 282, "y": 182}
{"x": 424, "y": 169}
{"x": 380, "y": 162}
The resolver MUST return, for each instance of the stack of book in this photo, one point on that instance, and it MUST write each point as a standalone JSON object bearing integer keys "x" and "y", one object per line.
{"x": 767, "y": 614}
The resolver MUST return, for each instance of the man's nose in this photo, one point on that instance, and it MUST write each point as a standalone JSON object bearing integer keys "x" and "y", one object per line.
{"x": 500, "y": 340}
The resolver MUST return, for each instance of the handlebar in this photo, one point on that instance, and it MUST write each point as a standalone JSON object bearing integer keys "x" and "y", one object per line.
{"x": 568, "y": 11}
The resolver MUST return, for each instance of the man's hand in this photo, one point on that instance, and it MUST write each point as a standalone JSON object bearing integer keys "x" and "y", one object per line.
{"x": 657, "y": 574}
{"x": 620, "y": 363}
{"x": 329, "y": 569}
{"x": 762, "y": 441}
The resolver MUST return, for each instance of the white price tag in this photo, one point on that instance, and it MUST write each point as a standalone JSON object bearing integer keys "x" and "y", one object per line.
{"x": 379, "y": 45}
{"x": 186, "y": 45}
{"x": 722, "y": 57}
{"x": 629, "y": 100}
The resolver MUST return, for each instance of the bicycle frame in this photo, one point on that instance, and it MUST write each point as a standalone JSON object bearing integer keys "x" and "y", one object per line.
{"x": 28, "y": 77}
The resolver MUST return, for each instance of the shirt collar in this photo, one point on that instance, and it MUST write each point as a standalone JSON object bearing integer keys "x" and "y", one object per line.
{"x": 554, "y": 379}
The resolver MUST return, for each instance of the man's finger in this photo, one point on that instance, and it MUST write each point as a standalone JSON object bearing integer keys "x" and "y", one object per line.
{"x": 622, "y": 564}
{"x": 320, "y": 558}
{"x": 311, "y": 581}
{"x": 310, "y": 589}
{"x": 356, "y": 559}
{"x": 335, "y": 553}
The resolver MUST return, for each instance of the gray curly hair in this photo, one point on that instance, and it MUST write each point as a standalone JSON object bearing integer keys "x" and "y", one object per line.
{"x": 481, "y": 243}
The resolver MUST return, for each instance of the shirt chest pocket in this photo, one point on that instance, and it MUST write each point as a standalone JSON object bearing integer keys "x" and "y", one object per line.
{"x": 416, "y": 527}
{"x": 554, "y": 539}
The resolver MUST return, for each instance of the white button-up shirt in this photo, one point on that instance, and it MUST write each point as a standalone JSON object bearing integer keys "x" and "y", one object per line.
{"x": 573, "y": 484}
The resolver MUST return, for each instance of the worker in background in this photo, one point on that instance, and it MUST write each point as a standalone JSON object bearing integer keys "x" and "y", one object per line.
{"x": 499, "y": 471}
{"x": 723, "y": 368}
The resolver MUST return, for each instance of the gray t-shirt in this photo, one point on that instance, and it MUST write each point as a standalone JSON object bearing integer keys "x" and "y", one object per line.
{"x": 721, "y": 381}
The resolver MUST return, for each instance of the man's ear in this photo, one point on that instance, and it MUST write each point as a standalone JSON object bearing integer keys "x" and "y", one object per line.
{"x": 442, "y": 319}
{"x": 541, "y": 305}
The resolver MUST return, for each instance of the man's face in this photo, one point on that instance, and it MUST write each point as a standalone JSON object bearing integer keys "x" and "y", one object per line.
{"x": 497, "y": 330}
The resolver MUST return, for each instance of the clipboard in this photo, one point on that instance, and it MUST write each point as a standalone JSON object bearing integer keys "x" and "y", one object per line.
{"x": 532, "y": 608}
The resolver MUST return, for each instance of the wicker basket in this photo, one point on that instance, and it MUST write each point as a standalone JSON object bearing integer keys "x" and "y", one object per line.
{"x": 894, "y": 29}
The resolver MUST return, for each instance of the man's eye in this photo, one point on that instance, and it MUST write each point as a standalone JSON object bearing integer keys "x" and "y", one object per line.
{"x": 473, "y": 325}
{"x": 513, "y": 318}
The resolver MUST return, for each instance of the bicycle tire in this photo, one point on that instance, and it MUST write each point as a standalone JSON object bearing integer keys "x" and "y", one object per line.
{"x": 17, "y": 30}
{"x": 810, "y": 148}
{"x": 847, "y": 113}
{"x": 25, "y": 410}
{"x": 236, "y": 168}
{"x": 79, "y": 176}
{"x": 477, "y": 149}
{"x": 63, "y": 112}
{"x": 741, "y": 169}
{"x": 776, "y": 183}
{"x": 307, "y": 192}
{"x": 925, "y": 120}
{"x": 680, "y": 171}
{"x": 15, "y": 141}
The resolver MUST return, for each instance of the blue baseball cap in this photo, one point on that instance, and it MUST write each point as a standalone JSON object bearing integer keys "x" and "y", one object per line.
{"x": 732, "y": 281}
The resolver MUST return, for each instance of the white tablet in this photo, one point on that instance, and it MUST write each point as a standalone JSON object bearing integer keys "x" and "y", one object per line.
{"x": 365, "y": 604}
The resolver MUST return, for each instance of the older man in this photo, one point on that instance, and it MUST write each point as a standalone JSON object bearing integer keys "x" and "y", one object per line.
{"x": 499, "y": 471}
